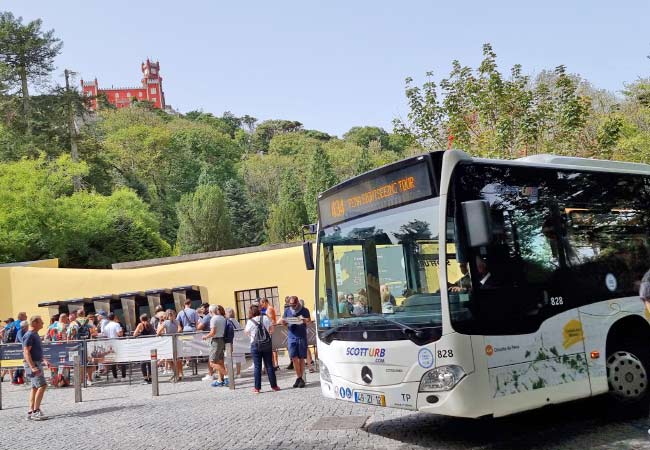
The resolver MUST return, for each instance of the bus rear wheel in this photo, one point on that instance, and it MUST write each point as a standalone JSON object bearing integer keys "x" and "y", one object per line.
{"x": 627, "y": 376}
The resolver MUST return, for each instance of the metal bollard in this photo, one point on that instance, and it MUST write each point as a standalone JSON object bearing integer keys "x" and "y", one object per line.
{"x": 0, "y": 395}
{"x": 231, "y": 368}
{"x": 154, "y": 373}
{"x": 175, "y": 358}
{"x": 77, "y": 379}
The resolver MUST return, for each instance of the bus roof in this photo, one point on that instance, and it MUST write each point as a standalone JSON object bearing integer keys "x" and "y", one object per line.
{"x": 569, "y": 162}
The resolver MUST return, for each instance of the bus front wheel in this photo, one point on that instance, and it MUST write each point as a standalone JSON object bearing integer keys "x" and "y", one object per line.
{"x": 627, "y": 376}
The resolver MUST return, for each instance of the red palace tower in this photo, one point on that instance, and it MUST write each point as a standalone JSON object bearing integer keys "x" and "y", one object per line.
{"x": 151, "y": 89}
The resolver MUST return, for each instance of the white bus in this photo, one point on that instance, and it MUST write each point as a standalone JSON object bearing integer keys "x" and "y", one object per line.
{"x": 472, "y": 287}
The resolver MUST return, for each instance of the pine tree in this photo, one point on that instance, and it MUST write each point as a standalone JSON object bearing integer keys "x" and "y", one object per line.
{"x": 27, "y": 53}
{"x": 320, "y": 177}
{"x": 364, "y": 163}
{"x": 289, "y": 214}
{"x": 246, "y": 227}
{"x": 204, "y": 222}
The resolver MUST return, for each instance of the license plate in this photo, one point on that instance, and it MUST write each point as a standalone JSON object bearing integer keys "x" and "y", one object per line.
{"x": 370, "y": 398}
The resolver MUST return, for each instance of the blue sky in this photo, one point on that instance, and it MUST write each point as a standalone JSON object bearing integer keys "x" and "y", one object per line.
{"x": 333, "y": 65}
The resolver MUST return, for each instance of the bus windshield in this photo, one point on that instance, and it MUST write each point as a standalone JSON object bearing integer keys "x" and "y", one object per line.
{"x": 378, "y": 276}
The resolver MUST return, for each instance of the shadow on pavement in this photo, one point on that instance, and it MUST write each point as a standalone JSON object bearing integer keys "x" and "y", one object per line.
{"x": 550, "y": 427}
{"x": 94, "y": 412}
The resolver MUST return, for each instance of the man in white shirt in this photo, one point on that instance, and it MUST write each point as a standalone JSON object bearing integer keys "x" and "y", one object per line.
{"x": 113, "y": 330}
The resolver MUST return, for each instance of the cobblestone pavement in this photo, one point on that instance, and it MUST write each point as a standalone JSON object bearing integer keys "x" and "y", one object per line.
{"x": 192, "y": 415}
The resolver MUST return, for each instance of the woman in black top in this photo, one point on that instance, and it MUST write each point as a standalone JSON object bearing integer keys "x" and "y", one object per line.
{"x": 145, "y": 328}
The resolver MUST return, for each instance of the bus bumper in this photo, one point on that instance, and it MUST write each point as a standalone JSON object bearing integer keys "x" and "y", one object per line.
{"x": 464, "y": 400}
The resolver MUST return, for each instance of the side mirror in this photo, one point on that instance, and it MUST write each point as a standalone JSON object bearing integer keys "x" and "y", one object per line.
{"x": 477, "y": 222}
{"x": 308, "y": 252}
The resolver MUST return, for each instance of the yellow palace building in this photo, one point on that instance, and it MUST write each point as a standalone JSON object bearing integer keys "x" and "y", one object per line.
{"x": 231, "y": 278}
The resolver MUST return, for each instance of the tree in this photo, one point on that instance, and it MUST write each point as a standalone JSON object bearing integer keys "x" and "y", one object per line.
{"x": 493, "y": 115}
{"x": 320, "y": 177}
{"x": 204, "y": 222}
{"x": 247, "y": 228}
{"x": 265, "y": 131}
{"x": 289, "y": 214}
{"x": 364, "y": 164}
{"x": 28, "y": 53}
{"x": 44, "y": 218}
{"x": 362, "y": 136}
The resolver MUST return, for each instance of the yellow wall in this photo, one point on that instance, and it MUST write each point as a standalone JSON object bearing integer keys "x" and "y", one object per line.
{"x": 219, "y": 277}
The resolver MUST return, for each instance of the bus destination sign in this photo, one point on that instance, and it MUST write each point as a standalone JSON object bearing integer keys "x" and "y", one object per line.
{"x": 391, "y": 189}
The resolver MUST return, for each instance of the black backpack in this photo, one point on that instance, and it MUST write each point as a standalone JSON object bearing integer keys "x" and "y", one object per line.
{"x": 10, "y": 335}
{"x": 229, "y": 332}
{"x": 84, "y": 331}
{"x": 262, "y": 341}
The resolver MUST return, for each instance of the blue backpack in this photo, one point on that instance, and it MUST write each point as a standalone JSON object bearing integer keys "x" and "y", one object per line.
{"x": 229, "y": 332}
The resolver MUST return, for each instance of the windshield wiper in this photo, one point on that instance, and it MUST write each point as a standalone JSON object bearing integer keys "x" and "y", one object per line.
{"x": 405, "y": 328}
{"x": 333, "y": 330}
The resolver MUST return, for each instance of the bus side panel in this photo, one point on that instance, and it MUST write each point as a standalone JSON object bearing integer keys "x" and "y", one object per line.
{"x": 532, "y": 370}
{"x": 597, "y": 319}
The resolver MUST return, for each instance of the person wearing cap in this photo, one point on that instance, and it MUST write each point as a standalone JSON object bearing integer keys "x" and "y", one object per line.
{"x": 102, "y": 320}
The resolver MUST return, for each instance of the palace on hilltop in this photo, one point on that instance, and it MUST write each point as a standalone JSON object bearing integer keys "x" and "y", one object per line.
{"x": 151, "y": 90}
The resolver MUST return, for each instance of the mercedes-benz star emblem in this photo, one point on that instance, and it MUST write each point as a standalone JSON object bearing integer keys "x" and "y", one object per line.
{"x": 366, "y": 374}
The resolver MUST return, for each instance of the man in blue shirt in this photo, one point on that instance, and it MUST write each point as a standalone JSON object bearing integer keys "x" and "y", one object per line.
{"x": 297, "y": 317}
{"x": 33, "y": 363}
{"x": 188, "y": 317}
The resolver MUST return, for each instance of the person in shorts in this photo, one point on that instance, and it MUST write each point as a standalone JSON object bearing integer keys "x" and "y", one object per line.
{"x": 33, "y": 363}
{"x": 217, "y": 344}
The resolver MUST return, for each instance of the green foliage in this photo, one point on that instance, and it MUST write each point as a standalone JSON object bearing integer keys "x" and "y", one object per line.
{"x": 363, "y": 136}
{"x": 204, "y": 222}
{"x": 489, "y": 114}
{"x": 247, "y": 228}
{"x": 44, "y": 218}
{"x": 287, "y": 217}
{"x": 27, "y": 55}
{"x": 320, "y": 177}
{"x": 266, "y": 130}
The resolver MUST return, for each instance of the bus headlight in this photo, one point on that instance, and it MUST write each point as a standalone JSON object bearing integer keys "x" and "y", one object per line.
{"x": 441, "y": 378}
{"x": 325, "y": 373}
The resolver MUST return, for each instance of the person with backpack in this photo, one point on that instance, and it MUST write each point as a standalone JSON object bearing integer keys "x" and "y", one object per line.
{"x": 19, "y": 374}
{"x": 237, "y": 358}
{"x": 9, "y": 324}
{"x": 218, "y": 328}
{"x": 259, "y": 328}
{"x": 145, "y": 328}
{"x": 81, "y": 328}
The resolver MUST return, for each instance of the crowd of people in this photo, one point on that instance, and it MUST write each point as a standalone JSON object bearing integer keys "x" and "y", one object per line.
{"x": 219, "y": 323}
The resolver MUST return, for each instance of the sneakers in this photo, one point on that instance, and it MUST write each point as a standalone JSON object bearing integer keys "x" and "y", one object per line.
{"x": 226, "y": 381}
{"x": 290, "y": 366}
{"x": 276, "y": 388}
{"x": 89, "y": 383}
{"x": 29, "y": 415}
{"x": 256, "y": 391}
{"x": 208, "y": 377}
{"x": 38, "y": 415}
{"x": 297, "y": 383}
{"x": 311, "y": 368}
{"x": 302, "y": 383}
{"x": 217, "y": 383}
